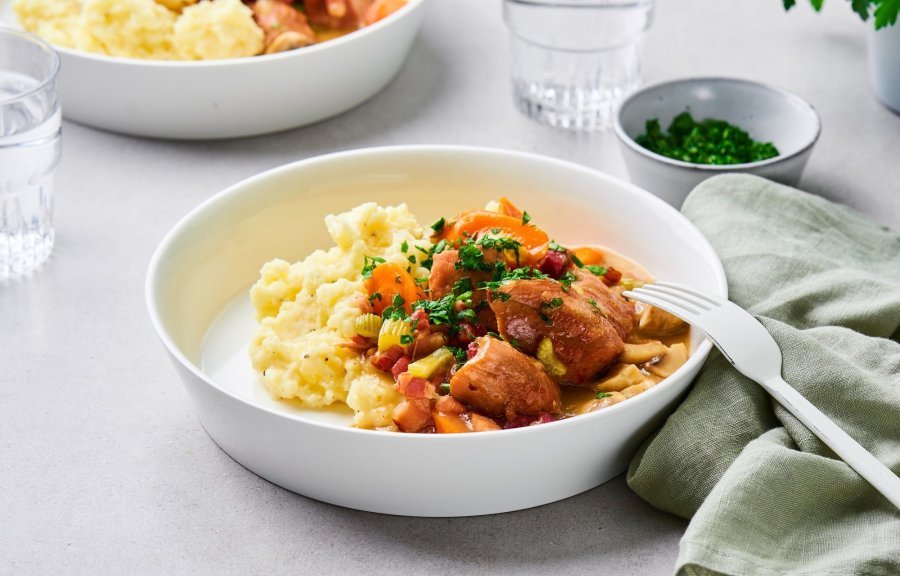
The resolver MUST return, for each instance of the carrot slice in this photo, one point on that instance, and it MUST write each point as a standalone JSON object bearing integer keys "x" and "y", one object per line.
{"x": 389, "y": 280}
{"x": 382, "y": 9}
{"x": 508, "y": 208}
{"x": 479, "y": 222}
{"x": 590, "y": 255}
{"x": 449, "y": 423}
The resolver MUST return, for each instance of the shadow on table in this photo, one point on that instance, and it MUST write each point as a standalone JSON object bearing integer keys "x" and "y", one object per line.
{"x": 580, "y": 530}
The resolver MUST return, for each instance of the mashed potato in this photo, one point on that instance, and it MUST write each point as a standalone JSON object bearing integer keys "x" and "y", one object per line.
{"x": 56, "y": 21}
{"x": 151, "y": 29}
{"x": 220, "y": 29}
{"x": 126, "y": 28}
{"x": 307, "y": 309}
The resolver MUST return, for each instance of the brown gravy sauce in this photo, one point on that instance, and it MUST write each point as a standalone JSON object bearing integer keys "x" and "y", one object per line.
{"x": 575, "y": 398}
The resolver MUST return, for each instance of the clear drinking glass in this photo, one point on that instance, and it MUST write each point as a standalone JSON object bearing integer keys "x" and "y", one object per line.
{"x": 573, "y": 61}
{"x": 29, "y": 150}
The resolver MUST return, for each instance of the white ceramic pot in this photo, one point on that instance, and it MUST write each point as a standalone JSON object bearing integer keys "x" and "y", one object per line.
{"x": 884, "y": 65}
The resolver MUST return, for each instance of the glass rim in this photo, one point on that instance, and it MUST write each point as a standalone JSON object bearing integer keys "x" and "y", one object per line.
{"x": 40, "y": 43}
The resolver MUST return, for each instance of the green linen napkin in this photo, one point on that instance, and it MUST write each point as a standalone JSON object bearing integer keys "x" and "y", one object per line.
{"x": 764, "y": 494}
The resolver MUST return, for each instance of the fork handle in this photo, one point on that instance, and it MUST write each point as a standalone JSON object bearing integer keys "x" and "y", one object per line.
{"x": 850, "y": 451}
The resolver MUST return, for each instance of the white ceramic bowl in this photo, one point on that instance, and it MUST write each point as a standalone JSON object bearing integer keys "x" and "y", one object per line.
{"x": 768, "y": 114}
{"x": 197, "y": 295}
{"x": 235, "y": 97}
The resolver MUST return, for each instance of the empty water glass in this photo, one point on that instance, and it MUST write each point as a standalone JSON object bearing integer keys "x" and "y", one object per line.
{"x": 573, "y": 61}
{"x": 29, "y": 150}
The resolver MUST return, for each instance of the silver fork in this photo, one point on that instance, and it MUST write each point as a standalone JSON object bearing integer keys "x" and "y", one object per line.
{"x": 751, "y": 349}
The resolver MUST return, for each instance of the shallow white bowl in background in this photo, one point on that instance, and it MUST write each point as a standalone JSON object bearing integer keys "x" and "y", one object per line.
{"x": 197, "y": 295}
{"x": 236, "y": 97}
{"x": 766, "y": 113}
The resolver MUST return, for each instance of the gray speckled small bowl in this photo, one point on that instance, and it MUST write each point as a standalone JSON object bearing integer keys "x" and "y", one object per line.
{"x": 768, "y": 114}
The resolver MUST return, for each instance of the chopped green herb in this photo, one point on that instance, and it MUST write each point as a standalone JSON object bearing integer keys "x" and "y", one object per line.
{"x": 422, "y": 280}
{"x": 460, "y": 353}
{"x": 404, "y": 247}
{"x": 595, "y": 270}
{"x": 566, "y": 281}
{"x": 406, "y": 339}
{"x": 462, "y": 286}
{"x": 471, "y": 258}
{"x": 369, "y": 264}
{"x": 709, "y": 141}
{"x": 525, "y": 218}
{"x": 374, "y": 297}
{"x": 395, "y": 311}
{"x": 556, "y": 247}
{"x": 411, "y": 258}
{"x": 577, "y": 261}
{"x": 594, "y": 304}
{"x": 445, "y": 387}
{"x": 514, "y": 343}
{"x": 468, "y": 314}
{"x": 439, "y": 225}
{"x": 498, "y": 243}
{"x": 555, "y": 303}
{"x": 603, "y": 395}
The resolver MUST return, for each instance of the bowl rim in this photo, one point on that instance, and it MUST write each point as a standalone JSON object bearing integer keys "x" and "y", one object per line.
{"x": 410, "y": 7}
{"x": 223, "y": 197}
{"x": 628, "y": 141}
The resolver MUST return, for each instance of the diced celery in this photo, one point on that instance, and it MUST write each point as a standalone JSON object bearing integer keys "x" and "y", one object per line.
{"x": 429, "y": 366}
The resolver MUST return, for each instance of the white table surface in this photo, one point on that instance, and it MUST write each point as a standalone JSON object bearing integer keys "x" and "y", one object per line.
{"x": 105, "y": 469}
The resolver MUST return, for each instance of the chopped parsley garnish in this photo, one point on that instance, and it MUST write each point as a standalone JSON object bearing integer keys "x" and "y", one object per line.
{"x": 472, "y": 258}
{"x": 462, "y": 285}
{"x": 577, "y": 261}
{"x": 514, "y": 343}
{"x": 411, "y": 258}
{"x": 439, "y": 225}
{"x": 468, "y": 315}
{"x": 556, "y": 247}
{"x": 709, "y": 141}
{"x": 525, "y": 218}
{"x": 603, "y": 395}
{"x": 429, "y": 253}
{"x": 595, "y": 270}
{"x": 445, "y": 387}
{"x": 566, "y": 281}
{"x": 404, "y": 247}
{"x": 406, "y": 339}
{"x": 554, "y": 303}
{"x": 395, "y": 311}
{"x": 498, "y": 243}
{"x": 369, "y": 264}
{"x": 594, "y": 304}
{"x": 459, "y": 353}
{"x": 504, "y": 276}
{"x": 374, "y": 297}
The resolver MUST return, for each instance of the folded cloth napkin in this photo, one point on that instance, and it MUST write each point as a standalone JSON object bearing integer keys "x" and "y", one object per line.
{"x": 764, "y": 494}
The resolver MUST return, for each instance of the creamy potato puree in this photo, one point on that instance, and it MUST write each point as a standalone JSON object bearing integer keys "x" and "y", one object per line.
{"x": 148, "y": 29}
{"x": 307, "y": 311}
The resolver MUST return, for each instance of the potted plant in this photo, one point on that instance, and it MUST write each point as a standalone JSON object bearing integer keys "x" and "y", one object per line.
{"x": 884, "y": 45}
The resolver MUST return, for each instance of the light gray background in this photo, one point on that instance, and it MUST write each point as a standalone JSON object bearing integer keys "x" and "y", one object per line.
{"x": 105, "y": 469}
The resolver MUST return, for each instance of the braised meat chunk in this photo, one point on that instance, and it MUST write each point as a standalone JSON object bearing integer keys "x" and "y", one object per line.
{"x": 577, "y": 330}
{"x": 501, "y": 382}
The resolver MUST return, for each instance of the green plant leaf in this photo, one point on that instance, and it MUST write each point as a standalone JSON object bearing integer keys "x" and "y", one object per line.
{"x": 817, "y": 4}
{"x": 861, "y": 7}
{"x": 788, "y": 4}
{"x": 886, "y": 13}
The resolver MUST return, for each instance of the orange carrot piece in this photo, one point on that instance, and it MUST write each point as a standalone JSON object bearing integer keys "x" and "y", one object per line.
{"x": 449, "y": 423}
{"x": 478, "y": 222}
{"x": 590, "y": 255}
{"x": 389, "y": 280}
{"x": 508, "y": 208}
{"x": 382, "y": 9}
